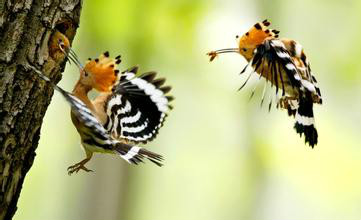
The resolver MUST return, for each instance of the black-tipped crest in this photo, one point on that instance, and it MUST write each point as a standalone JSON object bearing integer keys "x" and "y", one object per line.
{"x": 266, "y": 23}
{"x": 258, "y": 26}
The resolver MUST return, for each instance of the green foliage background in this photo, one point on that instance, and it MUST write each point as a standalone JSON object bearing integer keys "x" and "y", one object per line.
{"x": 226, "y": 158}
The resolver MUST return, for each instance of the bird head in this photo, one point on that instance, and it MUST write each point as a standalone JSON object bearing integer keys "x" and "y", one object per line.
{"x": 100, "y": 73}
{"x": 58, "y": 43}
{"x": 249, "y": 41}
{"x": 258, "y": 33}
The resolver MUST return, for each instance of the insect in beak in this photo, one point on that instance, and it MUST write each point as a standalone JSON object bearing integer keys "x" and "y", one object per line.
{"x": 214, "y": 54}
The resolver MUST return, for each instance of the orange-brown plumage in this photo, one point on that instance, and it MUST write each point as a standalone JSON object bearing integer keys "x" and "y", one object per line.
{"x": 100, "y": 73}
{"x": 254, "y": 37}
{"x": 104, "y": 75}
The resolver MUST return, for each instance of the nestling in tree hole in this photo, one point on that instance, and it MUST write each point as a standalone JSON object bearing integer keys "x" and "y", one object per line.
{"x": 54, "y": 50}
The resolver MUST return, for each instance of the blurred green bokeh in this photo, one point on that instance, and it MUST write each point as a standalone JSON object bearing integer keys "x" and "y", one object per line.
{"x": 226, "y": 158}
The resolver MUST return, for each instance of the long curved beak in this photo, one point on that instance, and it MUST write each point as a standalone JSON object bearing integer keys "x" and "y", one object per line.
{"x": 214, "y": 54}
{"x": 71, "y": 55}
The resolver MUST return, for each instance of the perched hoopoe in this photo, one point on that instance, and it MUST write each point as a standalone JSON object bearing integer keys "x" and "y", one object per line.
{"x": 129, "y": 110}
{"x": 283, "y": 63}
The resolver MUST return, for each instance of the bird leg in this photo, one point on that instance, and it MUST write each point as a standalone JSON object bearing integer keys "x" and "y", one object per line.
{"x": 79, "y": 166}
{"x": 285, "y": 102}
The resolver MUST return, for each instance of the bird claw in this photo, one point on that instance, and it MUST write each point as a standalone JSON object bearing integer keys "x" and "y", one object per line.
{"x": 76, "y": 167}
{"x": 284, "y": 102}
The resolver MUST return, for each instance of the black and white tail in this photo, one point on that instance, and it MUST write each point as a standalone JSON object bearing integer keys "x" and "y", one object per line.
{"x": 135, "y": 154}
{"x": 305, "y": 122}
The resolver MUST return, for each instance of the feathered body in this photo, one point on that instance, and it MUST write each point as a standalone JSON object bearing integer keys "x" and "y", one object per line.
{"x": 129, "y": 109}
{"x": 283, "y": 63}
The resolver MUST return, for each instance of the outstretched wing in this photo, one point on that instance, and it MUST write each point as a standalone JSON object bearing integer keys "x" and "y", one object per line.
{"x": 303, "y": 65}
{"x": 287, "y": 64}
{"x": 86, "y": 117}
{"x": 95, "y": 134}
{"x": 272, "y": 60}
{"x": 81, "y": 111}
{"x": 281, "y": 69}
{"x": 137, "y": 107}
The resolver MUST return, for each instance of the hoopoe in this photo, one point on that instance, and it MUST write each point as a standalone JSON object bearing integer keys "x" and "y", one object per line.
{"x": 129, "y": 110}
{"x": 283, "y": 63}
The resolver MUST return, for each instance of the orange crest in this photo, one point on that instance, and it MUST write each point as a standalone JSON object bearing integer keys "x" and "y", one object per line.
{"x": 257, "y": 34}
{"x": 103, "y": 71}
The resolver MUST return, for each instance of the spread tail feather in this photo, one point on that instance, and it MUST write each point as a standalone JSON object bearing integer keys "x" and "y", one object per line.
{"x": 135, "y": 154}
{"x": 305, "y": 122}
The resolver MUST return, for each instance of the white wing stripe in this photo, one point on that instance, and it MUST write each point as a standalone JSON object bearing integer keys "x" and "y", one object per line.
{"x": 132, "y": 119}
{"x": 290, "y": 66}
{"x": 126, "y": 108}
{"x": 308, "y": 85}
{"x": 135, "y": 129}
{"x": 282, "y": 54}
{"x": 278, "y": 43}
{"x": 117, "y": 100}
{"x": 156, "y": 95}
{"x": 143, "y": 138}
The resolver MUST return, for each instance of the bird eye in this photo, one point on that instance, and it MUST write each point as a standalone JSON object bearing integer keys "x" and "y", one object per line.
{"x": 237, "y": 36}
{"x": 86, "y": 74}
{"x": 244, "y": 49}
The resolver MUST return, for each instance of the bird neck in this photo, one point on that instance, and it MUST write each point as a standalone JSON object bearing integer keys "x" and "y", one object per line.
{"x": 81, "y": 92}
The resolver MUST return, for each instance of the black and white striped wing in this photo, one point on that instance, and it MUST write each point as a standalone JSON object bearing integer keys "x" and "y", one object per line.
{"x": 95, "y": 134}
{"x": 308, "y": 73}
{"x": 279, "y": 60}
{"x": 138, "y": 106}
{"x": 82, "y": 112}
{"x": 94, "y": 129}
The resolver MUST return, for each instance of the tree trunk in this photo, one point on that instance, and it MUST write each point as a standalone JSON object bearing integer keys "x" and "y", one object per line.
{"x": 26, "y": 28}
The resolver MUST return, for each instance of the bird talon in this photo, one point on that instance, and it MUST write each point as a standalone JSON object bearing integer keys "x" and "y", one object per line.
{"x": 76, "y": 167}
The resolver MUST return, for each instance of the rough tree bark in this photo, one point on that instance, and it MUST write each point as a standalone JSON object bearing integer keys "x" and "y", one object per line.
{"x": 26, "y": 28}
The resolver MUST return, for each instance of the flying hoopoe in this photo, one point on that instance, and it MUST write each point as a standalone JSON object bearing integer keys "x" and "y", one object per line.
{"x": 129, "y": 110}
{"x": 283, "y": 63}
